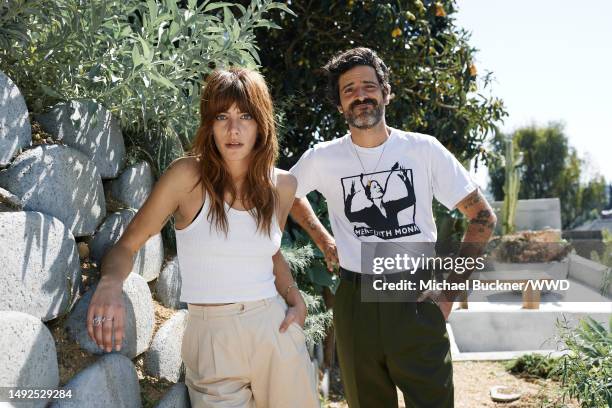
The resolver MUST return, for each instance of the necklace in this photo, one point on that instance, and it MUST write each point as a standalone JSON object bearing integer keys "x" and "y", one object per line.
{"x": 377, "y": 163}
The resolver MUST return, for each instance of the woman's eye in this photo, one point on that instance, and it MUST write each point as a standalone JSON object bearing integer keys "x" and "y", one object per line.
{"x": 220, "y": 117}
{"x": 247, "y": 116}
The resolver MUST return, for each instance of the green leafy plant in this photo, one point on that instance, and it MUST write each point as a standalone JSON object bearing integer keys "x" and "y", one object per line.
{"x": 143, "y": 60}
{"x": 586, "y": 371}
{"x": 534, "y": 365}
{"x": 319, "y": 319}
{"x": 605, "y": 259}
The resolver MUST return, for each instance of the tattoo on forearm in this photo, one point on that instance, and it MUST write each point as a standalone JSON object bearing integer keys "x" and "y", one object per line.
{"x": 311, "y": 223}
{"x": 483, "y": 220}
{"x": 472, "y": 199}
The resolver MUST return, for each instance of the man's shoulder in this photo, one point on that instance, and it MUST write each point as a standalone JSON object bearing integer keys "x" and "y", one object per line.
{"x": 330, "y": 145}
{"x": 414, "y": 137}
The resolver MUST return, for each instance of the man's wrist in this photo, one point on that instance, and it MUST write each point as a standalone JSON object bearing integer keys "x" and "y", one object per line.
{"x": 448, "y": 296}
{"x": 323, "y": 238}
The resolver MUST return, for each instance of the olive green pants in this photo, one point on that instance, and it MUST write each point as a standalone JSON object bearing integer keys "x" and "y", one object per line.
{"x": 384, "y": 345}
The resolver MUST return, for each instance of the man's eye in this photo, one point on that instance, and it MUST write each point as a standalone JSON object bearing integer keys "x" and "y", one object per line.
{"x": 348, "y": 90}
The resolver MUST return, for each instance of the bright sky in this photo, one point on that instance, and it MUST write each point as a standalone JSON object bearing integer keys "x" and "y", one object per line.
{"x": 552, "y": 60}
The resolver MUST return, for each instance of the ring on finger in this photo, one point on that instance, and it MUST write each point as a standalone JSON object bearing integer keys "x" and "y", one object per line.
{"x": 98, "y": 320}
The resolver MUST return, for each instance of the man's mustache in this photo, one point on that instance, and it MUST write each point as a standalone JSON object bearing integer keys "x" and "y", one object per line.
{"x": 367, "y": 101}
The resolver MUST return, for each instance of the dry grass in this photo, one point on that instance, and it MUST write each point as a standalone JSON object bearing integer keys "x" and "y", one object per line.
{"x": 40, "y": 137}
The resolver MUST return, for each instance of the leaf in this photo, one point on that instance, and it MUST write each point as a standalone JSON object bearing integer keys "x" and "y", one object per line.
{"x": 282, "y": 7}
{"x": 267, "y": 24}
{"x": 136, "y": 56}
{"x": 146, "y": 50}
{"x": 213, "y": 29}
{"x": 153, "y": 9}
{"x": 50, "y": 91}
{"x": 214, "y": 6}
{"x": 161, "y": 80}
{"x": 321, "y": 276}
{"x": 174, "y": 30}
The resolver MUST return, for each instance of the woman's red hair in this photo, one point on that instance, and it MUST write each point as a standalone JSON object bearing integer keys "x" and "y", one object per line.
{"x": 248, "y": 90}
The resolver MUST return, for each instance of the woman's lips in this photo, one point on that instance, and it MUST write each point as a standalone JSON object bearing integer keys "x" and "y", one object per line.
{"x": 233, "y": 145}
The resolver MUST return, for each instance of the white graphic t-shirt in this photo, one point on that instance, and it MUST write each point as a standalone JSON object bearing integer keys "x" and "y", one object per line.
{"x": 382, "y": 194}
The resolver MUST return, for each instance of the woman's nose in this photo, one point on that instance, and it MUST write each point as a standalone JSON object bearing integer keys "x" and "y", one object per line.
{"x": 233, "y": 126}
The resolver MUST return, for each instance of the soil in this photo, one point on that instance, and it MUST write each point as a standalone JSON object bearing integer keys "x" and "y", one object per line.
{"x": 473, "y": 380}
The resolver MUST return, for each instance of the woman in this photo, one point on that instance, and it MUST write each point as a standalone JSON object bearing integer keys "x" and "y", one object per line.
{"x": 243, "y": 346}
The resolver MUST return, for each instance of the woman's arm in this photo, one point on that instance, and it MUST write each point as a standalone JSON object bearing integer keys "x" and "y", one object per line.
{"x": 285, "y": 285}
{"x": 117, "y": 263}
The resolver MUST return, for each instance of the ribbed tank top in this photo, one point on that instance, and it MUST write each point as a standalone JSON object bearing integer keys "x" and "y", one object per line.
{"x": 219, "y": 268}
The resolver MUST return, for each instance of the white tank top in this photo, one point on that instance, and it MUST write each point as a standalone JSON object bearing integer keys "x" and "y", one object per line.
{"x": 219, "y": 268}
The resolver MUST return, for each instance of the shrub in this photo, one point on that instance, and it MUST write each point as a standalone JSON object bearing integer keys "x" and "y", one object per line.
{"x": 534, "y": 365}
{"x": 586, "y": 372}
{"x": 143, "y": 60}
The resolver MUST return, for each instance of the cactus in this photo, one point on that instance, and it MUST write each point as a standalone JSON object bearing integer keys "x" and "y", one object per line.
{"x": 511, "y": 186}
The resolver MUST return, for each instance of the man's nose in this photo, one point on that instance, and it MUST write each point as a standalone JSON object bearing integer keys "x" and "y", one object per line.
{"x": 361, "y": 93}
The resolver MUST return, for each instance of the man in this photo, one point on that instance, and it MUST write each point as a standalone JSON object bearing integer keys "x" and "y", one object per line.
{"x": 384, "y": 345}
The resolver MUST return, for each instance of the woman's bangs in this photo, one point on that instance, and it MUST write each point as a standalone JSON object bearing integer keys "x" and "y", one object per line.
{"x": 232, "y": 92}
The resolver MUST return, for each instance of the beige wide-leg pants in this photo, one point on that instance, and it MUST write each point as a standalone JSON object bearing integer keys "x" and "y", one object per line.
{"x": 235, "y": 356}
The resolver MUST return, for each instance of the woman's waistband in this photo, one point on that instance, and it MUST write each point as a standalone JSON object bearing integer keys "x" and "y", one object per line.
{"x": 206, "y": 312}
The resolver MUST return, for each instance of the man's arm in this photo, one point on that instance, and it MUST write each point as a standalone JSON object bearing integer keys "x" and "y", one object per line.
{"x": 304, "y": 216}
{"x": 481, "y": 224}
{"x": 480, "y": 228}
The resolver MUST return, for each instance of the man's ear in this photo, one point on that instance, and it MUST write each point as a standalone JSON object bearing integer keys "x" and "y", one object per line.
{"x": 387, "y": 97}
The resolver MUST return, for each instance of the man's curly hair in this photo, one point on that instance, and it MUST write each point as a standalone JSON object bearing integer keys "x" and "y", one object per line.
{"x": 346, "y": 60}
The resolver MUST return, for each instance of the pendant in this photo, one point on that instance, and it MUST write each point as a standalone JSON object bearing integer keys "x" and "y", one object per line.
{"x": 369, "y": 183}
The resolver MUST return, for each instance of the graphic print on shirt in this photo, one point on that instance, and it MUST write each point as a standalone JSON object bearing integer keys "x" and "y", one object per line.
{"x": 382, "y": 204}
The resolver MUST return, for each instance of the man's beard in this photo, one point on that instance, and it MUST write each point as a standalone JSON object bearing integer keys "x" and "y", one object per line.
{"x": 366, "y": 119}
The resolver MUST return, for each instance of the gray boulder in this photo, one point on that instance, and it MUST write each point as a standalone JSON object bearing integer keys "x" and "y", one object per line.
{"x": 59, "y": 181}
{"x": 15, "y": 130}
{"x": 112, "y": 381}
{"x": 29, "y": 358}
{"x": 9, "y": 201}
{"x": 163, "y": 358}
{"x": 40, "y": 272}
{"x": 92, "y": 130}
{"x": 176, "y": 397}
{"x": 133, "y": 186}
{"x": 139, "y": 318}
{"x": 149, "y": 258}
{"x": 168, "y": 288}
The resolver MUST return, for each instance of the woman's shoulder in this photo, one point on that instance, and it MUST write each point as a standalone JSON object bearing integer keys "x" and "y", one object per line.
{"x": 185, "y": 170}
